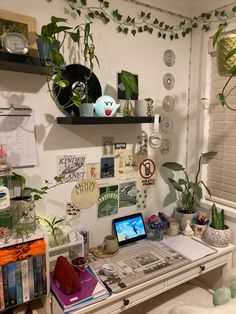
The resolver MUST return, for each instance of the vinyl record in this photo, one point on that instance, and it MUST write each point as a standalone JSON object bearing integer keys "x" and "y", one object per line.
{"x": 75, "y": 74}
{"x": 168, "y": 103}
{"x": 166, "y": 124}
{"x": 168, "y": 81}
{"x": 169, "y": 57}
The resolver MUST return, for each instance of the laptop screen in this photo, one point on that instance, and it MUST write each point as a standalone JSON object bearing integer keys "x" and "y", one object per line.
{"x": 129, "y": 228}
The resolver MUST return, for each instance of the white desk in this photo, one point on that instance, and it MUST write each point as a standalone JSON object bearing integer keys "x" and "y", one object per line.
{"x": 117, "y": 303}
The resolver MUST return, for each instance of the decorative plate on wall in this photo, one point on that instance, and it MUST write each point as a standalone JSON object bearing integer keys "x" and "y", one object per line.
{"x": 169, "y": 57}
{"x": 168, "y": 81}
{"x": 168, "y": 103}
{"x": 165, "y": 147}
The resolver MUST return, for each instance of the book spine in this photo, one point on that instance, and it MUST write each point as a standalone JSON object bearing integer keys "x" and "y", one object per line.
{"x": 2, "y": 303}
{"x": 5, "y": 285}
{"x": 31, "y": 278}
{"x": 11, "y": 280}
{"x": 19, "y": 290}
{"x": 44, "y": 274}
{"x": 35, "y": 277}
{"x": 25, "y": 280}
{"x": 39, "y": 263}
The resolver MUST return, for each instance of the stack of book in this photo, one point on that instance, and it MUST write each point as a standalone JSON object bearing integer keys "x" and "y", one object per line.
{"x": 22, "y": 273}
{"x": 92, "y": 290}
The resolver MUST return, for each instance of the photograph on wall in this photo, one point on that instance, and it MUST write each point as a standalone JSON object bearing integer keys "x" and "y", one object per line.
{"x": 108, "y": 145}
{"x": 71, "y": 167}
{"x": 125, "y": 164}
{"x": 93, "y": 170}
{"x": 107, "y": 167}
{"x": 127, "y": 194}
{"x": 108, "y": 200}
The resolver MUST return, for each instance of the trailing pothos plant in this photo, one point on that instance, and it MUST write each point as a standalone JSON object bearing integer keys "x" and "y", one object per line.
{"x": 147, "y": 22}
{"x": 53, "y": 35}
{"x": 34, "y": 194}
{"x": 225, "y": 92}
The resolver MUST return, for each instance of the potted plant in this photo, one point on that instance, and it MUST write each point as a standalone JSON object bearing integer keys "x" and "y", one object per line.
{"x": 23, "y": 205}
{"x": 217, "y": 233}
{"x": 131, "y": 87}
{"x": 190, "y": 192}
{"x": 52, "y": 38}
{"x": 56, "y": 234}
{"x": 226, "y": 56}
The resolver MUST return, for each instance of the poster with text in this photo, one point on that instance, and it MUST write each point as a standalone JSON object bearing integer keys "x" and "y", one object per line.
{"x": 71, "y": 167}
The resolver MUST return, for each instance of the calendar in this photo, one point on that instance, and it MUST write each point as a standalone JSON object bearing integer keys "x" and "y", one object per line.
{"x": 18, "y": 134}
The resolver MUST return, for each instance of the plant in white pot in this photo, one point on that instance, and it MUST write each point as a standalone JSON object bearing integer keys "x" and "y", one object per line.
{"x": 189, "y": 191}
{"x": 217, "y": 233}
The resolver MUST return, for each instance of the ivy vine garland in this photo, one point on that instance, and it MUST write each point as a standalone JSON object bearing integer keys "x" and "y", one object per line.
{"x": 145, "y": 22}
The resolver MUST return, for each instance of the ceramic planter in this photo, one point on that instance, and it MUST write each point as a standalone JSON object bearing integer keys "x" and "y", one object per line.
{"x": 181, "y": 216}
{"x": 218, "y": 238}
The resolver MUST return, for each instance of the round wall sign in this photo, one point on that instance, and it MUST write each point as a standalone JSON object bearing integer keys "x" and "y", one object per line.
{"x": 168, "y": 103}
{"x": 169, "y": 57}
{"x": 168, "y": 81}
{"x": 85, "y": 194}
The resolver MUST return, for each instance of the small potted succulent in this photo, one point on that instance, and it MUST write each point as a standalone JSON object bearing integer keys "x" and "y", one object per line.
{"x": 217, "y": 233}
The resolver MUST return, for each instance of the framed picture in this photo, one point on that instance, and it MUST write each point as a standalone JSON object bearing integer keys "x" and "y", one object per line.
{"x": 23, "y": 24}
{"x": 121, "y": 88}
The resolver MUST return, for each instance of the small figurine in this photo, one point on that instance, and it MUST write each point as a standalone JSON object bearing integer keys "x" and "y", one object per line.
{"x": 188, "y": 230}
{"x": 105, "y": 106}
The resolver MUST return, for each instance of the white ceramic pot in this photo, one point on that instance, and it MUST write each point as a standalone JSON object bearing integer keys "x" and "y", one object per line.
{"x": 218, "y": 238}
{"x": 181, "y": 216}
{"x": 86, "y": 110}
{"x": 140, "y": 109}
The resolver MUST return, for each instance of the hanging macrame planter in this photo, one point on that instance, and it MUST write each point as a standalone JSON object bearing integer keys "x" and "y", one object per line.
{"x": 225, "y": 44}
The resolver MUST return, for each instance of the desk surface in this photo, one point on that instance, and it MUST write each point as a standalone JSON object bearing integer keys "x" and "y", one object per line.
{"x": 157, "y": 284}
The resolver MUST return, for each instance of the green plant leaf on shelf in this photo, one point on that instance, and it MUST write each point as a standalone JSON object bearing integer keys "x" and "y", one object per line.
{"x": 173, "y": 166}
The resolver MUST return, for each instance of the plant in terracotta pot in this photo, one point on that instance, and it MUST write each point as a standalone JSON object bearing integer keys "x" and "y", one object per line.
{"x": 23, "y": 205}
{"x": 217, "y": 233}
{"x": 59, "y": 76}
{"x": 189, "y": 191}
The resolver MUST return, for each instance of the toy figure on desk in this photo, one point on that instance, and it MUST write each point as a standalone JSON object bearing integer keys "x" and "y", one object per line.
{"x": 188, "y": 230}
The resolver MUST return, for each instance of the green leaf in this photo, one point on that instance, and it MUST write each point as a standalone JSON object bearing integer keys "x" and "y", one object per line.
{"x": 161, "y": 24}
{"x": 173, "y": 166}
{"x": 176, "y": 185}
{"x": 119, "y": 29}
{"x": 207, "y": 189}
{"x": 220, "y": 30}
{"x": 140, "y": 29}
{"x": 57, "y": 57}
{"x": 142, "y": 14}
{"x": 209, "y": 155}
{"x": 129, "y": 81}
{"x": 78, "y": 12}
{"x": 182, "y": 182}
{"x": 83, "y": 2}
{"x": 150, "y": 30}
{"x": 221, "y": 98}
{"x": 76, "y": 99}
{"x": 74, "y": 36}
{"x": 106, "y": 4}
{"x": 133, "y": 32}
{"x": 148, "y": 15}
{"x": 155, "y": 21}
{"x": 58, "y": 178}
{"x": 125, "y": 30}
{"x": 55, "y": 19}
{"x": 91, "y": 14}
{"x": 234, "y": 9}
{"x": 197, "y": 190}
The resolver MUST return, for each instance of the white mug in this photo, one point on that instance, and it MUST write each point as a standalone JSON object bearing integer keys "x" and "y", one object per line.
{"x": 110, "y": 244}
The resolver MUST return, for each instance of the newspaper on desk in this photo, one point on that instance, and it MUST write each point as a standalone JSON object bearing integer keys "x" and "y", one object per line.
{"x": 139, "y": 262}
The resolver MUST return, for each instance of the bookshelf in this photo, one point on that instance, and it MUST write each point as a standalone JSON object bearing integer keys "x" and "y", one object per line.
{"x": 24, "y": 270}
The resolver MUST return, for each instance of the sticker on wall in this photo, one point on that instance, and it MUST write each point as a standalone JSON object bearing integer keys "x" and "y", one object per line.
{"x": 168, "y": 81}
{"x": 93, "y": 171}
{"x": 125, "y": 164}
{"x": 169, "y": 57}
{"x": 168, "y": 103}
{"x": 166, "y": 124}
{"x": 108, "y": 200}
{"x": 85, "y": 194}
{"x": 165, "y": 147}
{"x": 71, "y": 209}
{"x": 107, "y": 167}
{"x": 141, "y": 199}
{"x": 108, "y": 145}
{"x": 71, "y": 167}
{"x": 146, "y": 172}
{"x": 127, "y": 194}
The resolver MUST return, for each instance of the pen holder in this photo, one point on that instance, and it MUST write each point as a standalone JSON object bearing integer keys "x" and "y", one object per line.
{"x": 199, "y": 230}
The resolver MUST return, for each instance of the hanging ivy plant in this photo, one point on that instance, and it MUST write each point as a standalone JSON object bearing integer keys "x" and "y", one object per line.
{"x": 147, "y": 22}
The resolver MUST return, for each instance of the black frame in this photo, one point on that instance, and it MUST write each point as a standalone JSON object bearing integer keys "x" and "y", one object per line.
{"x": 140, "y": 237}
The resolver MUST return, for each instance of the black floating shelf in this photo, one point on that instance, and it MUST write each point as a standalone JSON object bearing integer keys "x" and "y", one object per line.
{"x": 21, "y": 63}
{"x": 101, "y": 120}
